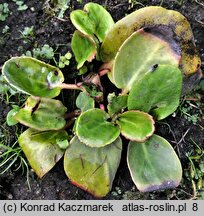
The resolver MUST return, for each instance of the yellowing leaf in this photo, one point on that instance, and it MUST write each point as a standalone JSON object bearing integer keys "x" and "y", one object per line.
{"x": 159, "y": 19}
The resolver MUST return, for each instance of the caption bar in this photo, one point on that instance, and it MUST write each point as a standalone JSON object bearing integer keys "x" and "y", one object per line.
{"x": 102, "y": 206}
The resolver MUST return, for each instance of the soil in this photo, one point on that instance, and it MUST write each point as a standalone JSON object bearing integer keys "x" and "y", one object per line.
{"x": 50, "y": 30}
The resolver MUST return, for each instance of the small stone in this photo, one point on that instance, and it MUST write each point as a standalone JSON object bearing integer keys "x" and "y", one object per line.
{"x": 10, "y": 196}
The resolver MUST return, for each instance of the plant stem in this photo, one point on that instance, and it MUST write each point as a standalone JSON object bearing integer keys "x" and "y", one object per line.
{"x": 102, "y": 107}
{"x": 103, "y": 72}
{"x": 73, "y": 114}
{"x": 105, "y": 68}
{"x": 77, "y": 86}
{"x": 69, "y": 123}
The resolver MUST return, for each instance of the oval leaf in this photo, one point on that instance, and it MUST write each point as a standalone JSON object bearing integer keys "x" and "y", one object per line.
{"x": 89, "y": 21}
{"x": 136, "y": 126}
{"x": 157, "y": 92}
{"x": 171, "y": 23}
{"x": 41, "y": 149}
{"x": 83, "y": 47}
{"x": 143, "y": 51}
{"x": 42, "y": 114}
{"x": 94, "y": 130}
{"x": 33, "y": 77}
{"x": 84, "y": 102}
{"x": 154, "y": 164}
{"x": 92, "y": 169}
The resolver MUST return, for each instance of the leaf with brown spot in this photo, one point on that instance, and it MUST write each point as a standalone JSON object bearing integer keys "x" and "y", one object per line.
{"x": 169, "y": 23}
{"x": 143, "y": 51}
{"x": 42, "y": 114}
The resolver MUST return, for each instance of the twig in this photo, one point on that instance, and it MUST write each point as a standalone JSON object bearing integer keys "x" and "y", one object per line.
{"x": 119, "y": 5}
{"x": 185, "y": 192}
{"x": 201, "y": 126}
{"x": 199, "y": 3}
{"x": 182, "y": 138}
{"x": 194, "y": 106}
{"x": 170, "y": 130}
{"x": 191, "y": 99}
{"x": 199, "y": 21}
{"x": 60, "y": 19}
{"x": 174, "y": 136}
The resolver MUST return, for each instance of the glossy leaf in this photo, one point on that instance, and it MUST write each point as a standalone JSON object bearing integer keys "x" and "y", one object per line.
{"x": 42, "y": 114}
{"x": 136, "y": 126}
{"x": 93, "y": 20}
{"x": 84, "y": 48}
{"x": 116, "y": 103}
{"x": 92, "y": 169}
{"x": 158, "y": 92}
{"x": 10, "y": 120}
{"x": 84, "y": 102}
{"x": 171, "y": 25}
{"x": 33, "y": 77}
{"x": 143, "y": 51}
{"x": 41, "y": 149}
{"x": 154, "y": 165}
{"x": 94, "y": 130}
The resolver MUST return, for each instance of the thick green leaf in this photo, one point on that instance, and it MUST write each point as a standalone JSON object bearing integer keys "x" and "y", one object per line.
{"x": 84, "y": 102}
{"x": 169, "y": 25}
{"x": 33, "y": 77}
{"x": 136, "y": 126}
{"x": 116, "y": 103}
{"x": 157, "y": 92}
{"x": 154, "y": 164}
{"x": 41, "y": 149}
{"x": 94, "y": 130}
{"x": 82, "y": 22}
{"x": 92, "y": 169}
{"x": 84, "y": 48}
{"x": 10, "y": 120}
{"x": 42, "y": 114}
{"x": 94, "y": 20}
{"x": 143, "y": 51}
